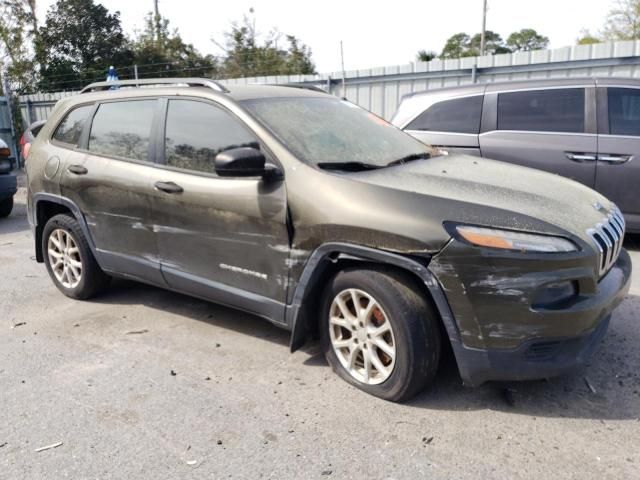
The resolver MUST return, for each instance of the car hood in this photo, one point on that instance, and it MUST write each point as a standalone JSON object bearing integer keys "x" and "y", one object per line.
{"x": 487, "y": 192}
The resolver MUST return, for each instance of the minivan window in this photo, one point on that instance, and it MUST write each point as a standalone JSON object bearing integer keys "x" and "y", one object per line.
{"x": 325, "y": 129}
{"x": 460, "y": 115}
{"x": 196, "y": 132}
{"x": 70, "y": 128}
{"x": 123, "y": 129}
{"x": 624, "y": 111}
{"x": 553, "y": 110}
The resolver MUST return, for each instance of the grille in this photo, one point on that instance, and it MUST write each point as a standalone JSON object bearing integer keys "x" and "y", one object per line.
{"x": 608, "y": 237}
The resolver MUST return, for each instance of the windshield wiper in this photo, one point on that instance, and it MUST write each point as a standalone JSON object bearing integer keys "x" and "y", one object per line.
{"x": 348, "y": 166}
{"x": 410, "y": 158}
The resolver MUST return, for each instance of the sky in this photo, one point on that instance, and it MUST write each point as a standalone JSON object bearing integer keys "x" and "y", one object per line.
{"x": 374, "y": 33}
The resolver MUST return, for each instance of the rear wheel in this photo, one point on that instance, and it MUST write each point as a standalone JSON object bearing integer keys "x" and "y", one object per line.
{"x": 6, "y": 206}
{"x": 380, "y": 333}
{"x": 69, "y": 260}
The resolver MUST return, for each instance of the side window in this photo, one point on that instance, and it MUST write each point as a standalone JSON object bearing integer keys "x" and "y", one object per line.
{"x": 70, "y": 128}
{"x": 553, "y": 110}
{"x": 196, "y": 132}
{"x": 461, "y": 115}
{"x": 123, "y": 129}
{"x": 624, "y": 111}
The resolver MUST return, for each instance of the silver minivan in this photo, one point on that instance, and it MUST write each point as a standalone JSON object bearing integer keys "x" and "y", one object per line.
{"x": 586, "y": 129}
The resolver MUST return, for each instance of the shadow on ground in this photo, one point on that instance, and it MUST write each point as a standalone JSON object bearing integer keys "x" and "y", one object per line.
{"x": 612, "y": 372}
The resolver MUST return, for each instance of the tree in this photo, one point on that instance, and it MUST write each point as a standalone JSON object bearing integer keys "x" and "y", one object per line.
{"x": 15, "y": 36}
{"x": 160, "y": 52}
{"x": 247, "y": 56}
{"x": 586, "y": 38}
{"x": 623, "y": 21}
{"x": 457, "y": 46}
{"x": 426, "y": 56}
{"x": 462, "y": 45}
{"x": 493, "y": 44}
{"x": 77, "y": 43}
{"x": 526, "y": 40}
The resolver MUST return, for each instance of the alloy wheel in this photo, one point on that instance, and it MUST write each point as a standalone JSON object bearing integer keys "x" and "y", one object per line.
{"x": 64, "y": 258}
{"x": 362, "y": 336}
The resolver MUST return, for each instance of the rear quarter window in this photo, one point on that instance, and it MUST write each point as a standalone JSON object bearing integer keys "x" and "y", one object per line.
{"x": 459, "y": 115}
{"x": 554, "y": 110}
{"x": 70, "y": 128}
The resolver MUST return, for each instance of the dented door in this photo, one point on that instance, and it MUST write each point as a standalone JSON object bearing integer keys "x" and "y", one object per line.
{"x": 220, "y": 238}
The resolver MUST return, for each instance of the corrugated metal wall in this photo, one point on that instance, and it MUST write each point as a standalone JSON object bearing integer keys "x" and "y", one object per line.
{"x": 380, "y": 89}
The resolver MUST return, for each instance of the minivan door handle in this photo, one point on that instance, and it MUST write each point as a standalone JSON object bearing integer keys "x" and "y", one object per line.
{"x": 169, "y": 187}
{"x": 581, "y": 157}
{"x": 78, "y": 169}
{"x": 614, "y": 158}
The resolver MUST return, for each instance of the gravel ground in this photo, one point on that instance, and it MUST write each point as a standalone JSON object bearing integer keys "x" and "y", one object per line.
{"x": 143, "y": 383}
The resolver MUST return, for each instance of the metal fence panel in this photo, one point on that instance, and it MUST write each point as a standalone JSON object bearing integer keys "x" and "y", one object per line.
{"x": 381, "y": 89}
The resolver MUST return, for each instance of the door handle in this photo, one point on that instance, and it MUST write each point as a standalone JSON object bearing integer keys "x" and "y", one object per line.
{"x": 78, "y": 169}
{"x": 581, "y": 157}
{"x": 169, "y": 187}
{"x": 614, "y": 158}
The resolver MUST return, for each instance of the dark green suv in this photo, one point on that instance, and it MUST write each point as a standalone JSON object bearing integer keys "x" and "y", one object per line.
{"x": 319, "y": 216}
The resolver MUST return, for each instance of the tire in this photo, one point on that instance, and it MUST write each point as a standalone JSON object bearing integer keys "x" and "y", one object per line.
{"x": 85, "y": 278}
{"x": 6, "y": 206}
{"x": 414, "y": 334}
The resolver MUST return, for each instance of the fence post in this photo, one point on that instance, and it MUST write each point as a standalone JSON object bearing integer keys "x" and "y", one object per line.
{"x": 29, "y": 106}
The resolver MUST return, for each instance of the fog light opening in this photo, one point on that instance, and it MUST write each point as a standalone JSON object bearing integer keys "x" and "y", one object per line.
{"x": 555, "y": 295}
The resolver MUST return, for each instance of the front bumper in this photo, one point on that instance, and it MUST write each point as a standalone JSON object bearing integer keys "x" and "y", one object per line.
{"x": 8, "y": 185}
{"x": 503, "y": 337}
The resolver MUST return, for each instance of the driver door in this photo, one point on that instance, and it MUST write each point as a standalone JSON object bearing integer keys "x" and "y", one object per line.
{"x": 220, "y": 238}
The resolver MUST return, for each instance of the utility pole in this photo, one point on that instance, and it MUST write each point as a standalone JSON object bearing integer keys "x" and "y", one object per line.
{"x": 484, "y": 27}
{"x": 156, "y": 19}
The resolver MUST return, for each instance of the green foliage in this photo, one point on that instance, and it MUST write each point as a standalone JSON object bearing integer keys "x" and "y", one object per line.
{"x": 623, "y": 21}
{"x": 458, "y": 46}
{"x": 587, "y": 38}
{"x": 78, "y": 42}
{"x": 462, "y": 45}
{"x": 527, "y": 40}
{"x": 426, "y": 56}
{"x": 15, "y": 33}
{"x": 160, "y": 52}
{"x": 246, "y": 56}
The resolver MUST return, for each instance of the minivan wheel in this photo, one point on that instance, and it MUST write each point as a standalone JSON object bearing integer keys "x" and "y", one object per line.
{"x": 379, "y": 332}
{"x": 6, "y": 206}
{"x": 69, "y": 260}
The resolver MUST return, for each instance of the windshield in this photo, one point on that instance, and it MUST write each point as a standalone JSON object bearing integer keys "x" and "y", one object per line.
{"x": 326, "y": 130}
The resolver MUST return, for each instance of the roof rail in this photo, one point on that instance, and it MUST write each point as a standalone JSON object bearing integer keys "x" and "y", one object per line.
{"x": 150, "y": 82}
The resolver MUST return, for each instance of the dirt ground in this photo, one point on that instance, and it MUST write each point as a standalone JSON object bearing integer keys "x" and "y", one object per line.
{"x": 143, "y": 383}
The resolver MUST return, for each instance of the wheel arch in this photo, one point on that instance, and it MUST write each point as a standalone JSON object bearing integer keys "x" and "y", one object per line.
{"x": 328, "y": 259}
{"x": 45, "y": 206}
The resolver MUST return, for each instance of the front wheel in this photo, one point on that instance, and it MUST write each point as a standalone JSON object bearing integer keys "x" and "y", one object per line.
{"x": 379, "y": 332}
{"x": 6, "y": 206}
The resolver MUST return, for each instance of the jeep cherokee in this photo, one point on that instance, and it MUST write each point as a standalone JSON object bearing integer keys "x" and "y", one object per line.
{"x": 317, "y": 215}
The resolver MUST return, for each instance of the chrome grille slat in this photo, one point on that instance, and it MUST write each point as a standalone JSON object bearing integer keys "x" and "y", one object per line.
{"x": 608, "y": 237}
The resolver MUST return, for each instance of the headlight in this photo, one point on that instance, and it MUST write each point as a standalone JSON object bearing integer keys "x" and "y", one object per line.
{"x": 507, "y": 240}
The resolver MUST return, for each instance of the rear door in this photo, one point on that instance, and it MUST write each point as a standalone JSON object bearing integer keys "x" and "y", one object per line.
{"x": 109, "y": 178}
{"x": 452, "y": 124}
{"x": 551, "y": 129}
{"x": 220, "y": 238}
{"x": 618, "y": 174}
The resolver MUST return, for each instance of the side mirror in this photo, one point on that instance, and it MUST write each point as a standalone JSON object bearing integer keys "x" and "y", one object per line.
{"x": 240, "y": 162}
